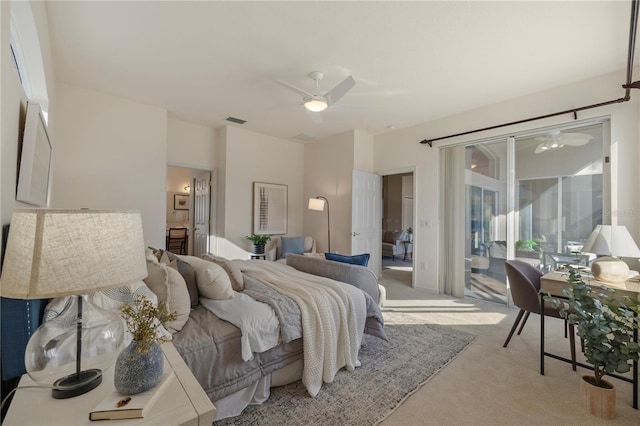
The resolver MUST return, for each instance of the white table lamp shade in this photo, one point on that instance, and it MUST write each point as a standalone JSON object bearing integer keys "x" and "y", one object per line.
{"x": 55, "y": 253}
{"x": 611, "y": 240}
{"x": 52, "y": 253}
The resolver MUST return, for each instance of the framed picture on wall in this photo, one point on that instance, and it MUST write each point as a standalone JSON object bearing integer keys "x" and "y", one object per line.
{"x": 269, "y": 209}
{"x": 35, "y": 159}
{"x": 181, "y": 201}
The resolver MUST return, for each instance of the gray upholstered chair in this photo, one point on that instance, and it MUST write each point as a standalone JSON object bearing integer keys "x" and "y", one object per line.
{"x": 393, "y": 244}
{"x": 524, "y": 281}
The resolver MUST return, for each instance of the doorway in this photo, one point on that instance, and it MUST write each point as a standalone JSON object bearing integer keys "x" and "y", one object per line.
{"x": 189, "y": 209}
{"x": 397, "y": 226}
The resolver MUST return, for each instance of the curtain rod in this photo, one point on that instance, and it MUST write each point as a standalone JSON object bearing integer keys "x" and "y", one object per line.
{"x": 627, "y": 86}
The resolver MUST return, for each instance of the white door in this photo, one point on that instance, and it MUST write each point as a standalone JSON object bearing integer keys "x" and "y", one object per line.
{"x": 366, "y": 217}
{"x": 201, "y": 207}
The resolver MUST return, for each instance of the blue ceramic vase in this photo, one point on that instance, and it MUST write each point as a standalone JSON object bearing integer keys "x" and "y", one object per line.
{"x": 136, "y": 372}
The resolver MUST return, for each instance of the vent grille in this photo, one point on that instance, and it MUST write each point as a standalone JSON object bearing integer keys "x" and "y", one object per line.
{"x": 236, "y": 120}
{"x": 301, "y": 137}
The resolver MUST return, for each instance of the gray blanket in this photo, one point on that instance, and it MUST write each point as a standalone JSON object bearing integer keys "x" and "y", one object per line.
{"x": 286, "y": 309}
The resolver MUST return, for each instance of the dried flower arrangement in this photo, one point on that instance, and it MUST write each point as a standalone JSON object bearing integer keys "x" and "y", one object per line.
{"x": 143, "y": 320}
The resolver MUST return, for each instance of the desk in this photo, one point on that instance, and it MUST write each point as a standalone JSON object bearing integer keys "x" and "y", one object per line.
{"x": 552, "y": 283}
{"x": 182, "y": 402}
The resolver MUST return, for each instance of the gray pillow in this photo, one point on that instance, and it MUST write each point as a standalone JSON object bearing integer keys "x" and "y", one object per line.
{"x": 189, "y": 276}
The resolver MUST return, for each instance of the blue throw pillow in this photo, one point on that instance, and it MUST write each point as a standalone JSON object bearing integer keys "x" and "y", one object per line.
{"x": 358, "y": 259}
{"x": 292, "y": 245}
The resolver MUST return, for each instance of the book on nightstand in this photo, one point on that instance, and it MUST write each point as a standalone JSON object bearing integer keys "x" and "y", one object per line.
{"x": 119, "y": 406}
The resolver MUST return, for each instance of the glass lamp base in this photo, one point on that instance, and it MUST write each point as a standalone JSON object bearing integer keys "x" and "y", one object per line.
{"x": 74, "y": 385}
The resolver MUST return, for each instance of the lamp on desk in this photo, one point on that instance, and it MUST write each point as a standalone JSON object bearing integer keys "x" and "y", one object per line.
{"x": 55, "y": 253}
{"x": 611, "y": 242}
{"x": 318, "y": 205}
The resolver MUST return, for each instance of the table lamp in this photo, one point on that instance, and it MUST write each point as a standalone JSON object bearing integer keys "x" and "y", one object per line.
{"x": 611, "y": 242}
{"x": 55, "y": 253}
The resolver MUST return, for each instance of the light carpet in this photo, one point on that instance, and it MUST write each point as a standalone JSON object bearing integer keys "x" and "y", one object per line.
{"x": 390, "y": 372}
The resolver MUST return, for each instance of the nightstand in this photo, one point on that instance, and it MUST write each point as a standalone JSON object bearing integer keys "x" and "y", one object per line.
{"x": 183, "y": 402}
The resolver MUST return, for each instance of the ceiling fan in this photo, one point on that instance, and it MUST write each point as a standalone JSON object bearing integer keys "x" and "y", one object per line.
{"x": 316, "y": 101}
{"x": 556, "y": 139}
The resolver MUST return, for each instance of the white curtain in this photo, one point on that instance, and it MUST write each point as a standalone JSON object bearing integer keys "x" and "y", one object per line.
{"x": 452, "y": 162}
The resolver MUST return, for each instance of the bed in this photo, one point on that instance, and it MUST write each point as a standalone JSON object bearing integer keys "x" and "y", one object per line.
{"x": 331, "y": 314}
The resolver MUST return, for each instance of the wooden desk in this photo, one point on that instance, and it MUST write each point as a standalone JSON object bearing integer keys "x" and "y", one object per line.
{"x": 553, "y": 282}
{"x": 183, "y": 402}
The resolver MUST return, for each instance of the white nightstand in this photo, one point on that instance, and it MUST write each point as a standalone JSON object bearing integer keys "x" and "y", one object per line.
{"x": 182, "y": 403}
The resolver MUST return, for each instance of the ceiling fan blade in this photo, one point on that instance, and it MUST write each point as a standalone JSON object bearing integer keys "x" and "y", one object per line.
{"x": 340, "y": 90}
{"x": 539, "y": 149}
{"x": 299, "y": 91}
{"x": 575, "y": 139}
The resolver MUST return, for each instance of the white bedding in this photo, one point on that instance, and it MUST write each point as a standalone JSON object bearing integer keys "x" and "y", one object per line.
{"x": 333, "y": 317}
{"x": 256, "y": 320}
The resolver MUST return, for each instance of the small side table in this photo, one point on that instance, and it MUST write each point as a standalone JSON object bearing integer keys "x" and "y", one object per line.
{"x": 262, "y": 256}
{"x": 183, "y": 402}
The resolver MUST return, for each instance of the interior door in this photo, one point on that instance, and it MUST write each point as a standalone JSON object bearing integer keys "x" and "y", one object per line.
{"x": 201, "y": 209}
{"x": 366, "y": 216}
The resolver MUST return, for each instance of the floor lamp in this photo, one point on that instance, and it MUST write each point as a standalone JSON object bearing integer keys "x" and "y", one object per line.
{"x": 318, "y": 205}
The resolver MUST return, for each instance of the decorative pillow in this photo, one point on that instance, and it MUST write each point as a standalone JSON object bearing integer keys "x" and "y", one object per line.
{"x": 187, "y": 273}
{"x": 358, "y": 259}
{"x": 292, "y": 245}
{"x": 213, "y": 282}
{"x": 233, "y": 270}
{"x": 168, "y": 285}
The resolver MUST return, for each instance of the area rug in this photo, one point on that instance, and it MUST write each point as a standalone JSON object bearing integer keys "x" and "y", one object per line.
{"x": 390, "y": 372}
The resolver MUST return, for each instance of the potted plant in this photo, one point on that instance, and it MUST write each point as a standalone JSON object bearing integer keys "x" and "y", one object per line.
{"x": 258, "y": 241}
{"x": 410, "y": 233}
{"x": 140, "y": 365}
{"x": 605, "y": 321}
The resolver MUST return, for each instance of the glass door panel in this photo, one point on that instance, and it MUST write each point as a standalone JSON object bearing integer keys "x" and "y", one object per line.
{"x": 485, "y": 213}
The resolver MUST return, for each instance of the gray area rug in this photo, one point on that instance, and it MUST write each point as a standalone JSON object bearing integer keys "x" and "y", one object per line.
{"x": 390, "y": 372}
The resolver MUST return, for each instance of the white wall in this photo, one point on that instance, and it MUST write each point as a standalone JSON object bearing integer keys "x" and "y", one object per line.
{"x": 328, "y": 170}
{"x": 191, "y": 145}
{"x": 252, "y": 157}
{"x": 401, "y": 148}
{"x": 111, "y": 153}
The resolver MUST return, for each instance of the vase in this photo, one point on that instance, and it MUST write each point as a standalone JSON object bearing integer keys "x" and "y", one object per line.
{"x": 138, "y": 372}
{"x": 596, "y": 400}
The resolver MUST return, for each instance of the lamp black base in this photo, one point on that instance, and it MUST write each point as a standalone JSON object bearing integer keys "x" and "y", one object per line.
{"x": 74, "y": 384}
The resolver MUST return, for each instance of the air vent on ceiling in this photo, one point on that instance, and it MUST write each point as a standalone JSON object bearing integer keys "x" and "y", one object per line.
{"x": 236, "y": 120}
{"x": 301, "y": 137}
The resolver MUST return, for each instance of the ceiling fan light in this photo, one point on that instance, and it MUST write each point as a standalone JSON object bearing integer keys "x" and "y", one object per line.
{"x": 315, "y": 105}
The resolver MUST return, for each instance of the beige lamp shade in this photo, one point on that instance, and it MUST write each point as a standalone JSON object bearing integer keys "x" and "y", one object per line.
{"x": 610, "y": 240}
{"x": 53, "y": 253}
{"x": 316, "y": 204}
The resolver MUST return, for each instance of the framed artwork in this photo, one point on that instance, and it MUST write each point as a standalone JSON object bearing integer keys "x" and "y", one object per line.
{"x": 35, "y": 159}
{"x": 269, "y": 209}
{"x": 181, "y": 201}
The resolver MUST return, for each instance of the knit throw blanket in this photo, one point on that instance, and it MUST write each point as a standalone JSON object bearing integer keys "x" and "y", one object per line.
{"x": 332, "y": 315}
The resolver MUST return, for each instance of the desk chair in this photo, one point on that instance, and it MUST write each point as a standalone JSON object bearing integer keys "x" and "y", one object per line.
{"x": 524, "y": 280}
{"x": 177, "y": 240}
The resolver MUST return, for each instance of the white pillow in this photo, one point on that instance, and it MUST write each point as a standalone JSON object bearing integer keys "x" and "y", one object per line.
{"x": 212, "y": 280}
{"x": 168, "y": 285}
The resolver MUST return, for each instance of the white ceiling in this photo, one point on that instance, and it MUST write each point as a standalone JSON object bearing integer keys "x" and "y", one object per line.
{"x": 412, "y": 61}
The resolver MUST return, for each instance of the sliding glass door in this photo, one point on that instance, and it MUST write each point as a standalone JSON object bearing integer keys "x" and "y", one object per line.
{"x": 534, "y": 197}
